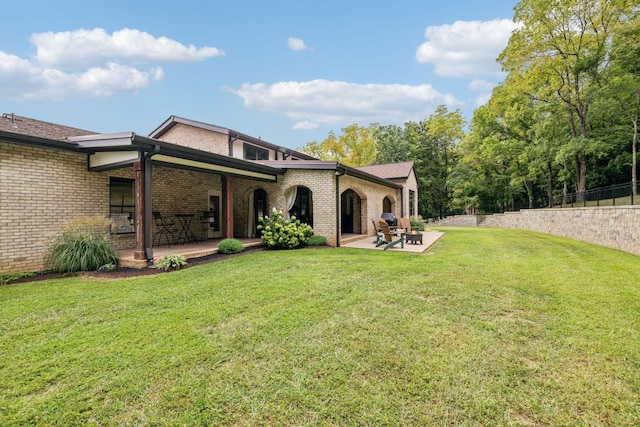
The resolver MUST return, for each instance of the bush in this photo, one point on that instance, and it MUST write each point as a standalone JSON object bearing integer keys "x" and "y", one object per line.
{"x": 170, "y": 261}
{"x": 230, "y": 246}
{"x": 279, "y": 233}
{"x": 417, "y": 224}
{"x": 317, "y": 241}
{"x": 82, "y": 246}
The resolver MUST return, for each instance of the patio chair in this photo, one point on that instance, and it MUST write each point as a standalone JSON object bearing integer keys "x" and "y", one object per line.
{"x": 379, "y": 235}
{"x": 163, "y": 228}
{"x": 389, "y": 236}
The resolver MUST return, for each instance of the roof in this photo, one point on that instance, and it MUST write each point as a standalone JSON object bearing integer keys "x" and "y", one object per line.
{"x": 400, "y": 170}
{"x": 340, "y": 168}
{"x": 9, "y": 122}
{"x": 173, "y": 120}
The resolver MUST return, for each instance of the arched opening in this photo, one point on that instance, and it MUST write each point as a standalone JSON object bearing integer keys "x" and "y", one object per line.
{"x": 300, "y": 204}
{"x": 259, "y": 209}
{"x": 386, "y": 205}
{"x": 350, "y": 210}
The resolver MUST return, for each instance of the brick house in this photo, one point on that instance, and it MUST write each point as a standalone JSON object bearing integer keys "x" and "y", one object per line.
{"x": 223, "y": 179}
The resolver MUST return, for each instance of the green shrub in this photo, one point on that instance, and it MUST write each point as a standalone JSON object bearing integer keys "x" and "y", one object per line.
{"x": 82, "y": 245}
{"x": 279, "y": 233}
{"x": 417, "y": 224}
{"x": 168, "y": 262}
{"x": 317, "y": 241}
{"x": 230, "y": 246}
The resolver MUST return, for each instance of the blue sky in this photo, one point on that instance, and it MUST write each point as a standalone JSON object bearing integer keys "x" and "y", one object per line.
{"x": 288, "y": 72}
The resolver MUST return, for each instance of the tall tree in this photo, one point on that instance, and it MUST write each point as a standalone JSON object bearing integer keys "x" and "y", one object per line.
{"x": 354, "y": 147}
{"x": 392, "y": 145}
{"x": 434, "y": 142}
{"x": 562, "y": 46}
{"x": 624, "y": 82}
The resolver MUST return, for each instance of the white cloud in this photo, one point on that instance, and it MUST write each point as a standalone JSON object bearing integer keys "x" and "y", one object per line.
{"x": 466, "y": 48}
{"x": 323, "y": 101}
{"x": 481, "y": 85}
{"x": 90, "y": 63}
{"x": 482, "y": 99}
{"x": 91, "y": 47}
{"x": 296, "y": 44}
{"x": 306, "y": 125}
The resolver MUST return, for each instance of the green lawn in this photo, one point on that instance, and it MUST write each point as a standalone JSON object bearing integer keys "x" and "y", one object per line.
{"x": 487, "y": 327}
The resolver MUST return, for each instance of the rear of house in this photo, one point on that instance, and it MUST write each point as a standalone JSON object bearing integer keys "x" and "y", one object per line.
{"x": 222, "y": 179}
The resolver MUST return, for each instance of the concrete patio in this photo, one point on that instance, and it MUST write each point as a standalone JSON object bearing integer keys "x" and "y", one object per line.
{"x": 367, "y": 242}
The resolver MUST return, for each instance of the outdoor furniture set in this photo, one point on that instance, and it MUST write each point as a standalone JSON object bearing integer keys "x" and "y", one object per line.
{"x": 391, "y": 235}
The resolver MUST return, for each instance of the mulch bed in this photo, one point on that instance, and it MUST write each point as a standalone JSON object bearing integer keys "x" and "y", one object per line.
{"x": 124, "y": 273}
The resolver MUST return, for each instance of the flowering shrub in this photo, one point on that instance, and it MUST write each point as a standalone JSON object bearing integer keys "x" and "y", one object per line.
{"x": 280, "y": 233}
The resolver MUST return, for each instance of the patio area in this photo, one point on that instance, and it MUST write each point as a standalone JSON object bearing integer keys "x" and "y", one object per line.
{"x": 428, "y": 239}
{"x": 188, "y": 250}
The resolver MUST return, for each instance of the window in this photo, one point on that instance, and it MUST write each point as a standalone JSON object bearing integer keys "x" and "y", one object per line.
{"x": 251, "y": 152}
{"x": 122, "y": 205}
{"x": 412, "y": 203}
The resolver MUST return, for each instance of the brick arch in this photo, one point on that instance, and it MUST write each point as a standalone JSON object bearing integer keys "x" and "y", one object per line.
{"x": 302, "y": 206}
{"x": 353, "y": 211}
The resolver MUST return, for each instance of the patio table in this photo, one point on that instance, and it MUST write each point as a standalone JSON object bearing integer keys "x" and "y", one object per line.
{"x": 186, "y": 235}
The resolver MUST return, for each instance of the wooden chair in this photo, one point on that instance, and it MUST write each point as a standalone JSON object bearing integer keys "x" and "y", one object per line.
{"x": 389, "y": 236}
{"x": 379, "y": 235}
{"x": 406, "y": 224}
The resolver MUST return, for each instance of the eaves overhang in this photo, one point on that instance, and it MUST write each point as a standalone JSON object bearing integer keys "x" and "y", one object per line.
{"x": 18, "y": 138}
{"x": 110, "y": 151}
{"x": 338, "y": 167}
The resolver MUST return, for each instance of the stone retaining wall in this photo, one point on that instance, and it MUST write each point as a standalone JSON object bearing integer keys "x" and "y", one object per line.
{"x": 616, "y": 227}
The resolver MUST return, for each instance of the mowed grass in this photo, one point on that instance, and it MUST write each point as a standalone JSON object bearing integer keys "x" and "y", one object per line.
{"x": 487, "y": 327}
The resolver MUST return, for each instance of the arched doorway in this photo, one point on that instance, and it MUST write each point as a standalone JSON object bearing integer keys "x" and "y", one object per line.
{"x": 300, "y": 204}
{"x": 350, "y": 210}
{"x": 260, "y": 204}
{"x": 386, "y": 205}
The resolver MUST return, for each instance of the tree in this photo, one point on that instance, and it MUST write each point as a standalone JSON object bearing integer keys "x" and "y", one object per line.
{"x": 392, "y": 145}
{"x": 433, "y": 144}
{"x": 624, "y": 82}
{"x": 354, "y": 147}
{"x": 561, "y": 47}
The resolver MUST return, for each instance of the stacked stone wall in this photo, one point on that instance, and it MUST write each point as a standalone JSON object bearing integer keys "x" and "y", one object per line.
{"x": 616, "y": 227}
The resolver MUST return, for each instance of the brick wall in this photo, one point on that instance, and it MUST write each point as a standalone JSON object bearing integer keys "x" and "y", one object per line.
{"x": 200, "y": 139}
{"x": 37, "y": 197}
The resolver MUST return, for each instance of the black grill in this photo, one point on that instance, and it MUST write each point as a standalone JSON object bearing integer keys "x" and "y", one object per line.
{"x": 390, "y": 218}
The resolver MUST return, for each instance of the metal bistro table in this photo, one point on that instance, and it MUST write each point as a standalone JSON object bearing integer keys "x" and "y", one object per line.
{"x": 185, "y": 234}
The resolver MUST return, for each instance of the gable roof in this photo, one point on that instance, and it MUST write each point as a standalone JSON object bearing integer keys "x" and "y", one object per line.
{"x": 400, "y": 170}
{"x": 173, "y": 120}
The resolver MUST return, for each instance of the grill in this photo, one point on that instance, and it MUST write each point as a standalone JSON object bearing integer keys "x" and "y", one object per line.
{"x": 390, "y": 218}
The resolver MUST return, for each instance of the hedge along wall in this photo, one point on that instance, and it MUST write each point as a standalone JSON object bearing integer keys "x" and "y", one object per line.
{"x": 616, "y": 227}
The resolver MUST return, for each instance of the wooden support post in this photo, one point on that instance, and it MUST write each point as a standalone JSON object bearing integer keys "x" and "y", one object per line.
{"x": 227, "y": 207}
{"x": 139, "y": 252}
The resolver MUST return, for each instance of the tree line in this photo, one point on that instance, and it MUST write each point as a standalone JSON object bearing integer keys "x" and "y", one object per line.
{"x": 565, "y": 118}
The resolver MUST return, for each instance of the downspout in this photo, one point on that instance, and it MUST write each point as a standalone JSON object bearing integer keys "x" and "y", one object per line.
{"x": 339, "y": 173}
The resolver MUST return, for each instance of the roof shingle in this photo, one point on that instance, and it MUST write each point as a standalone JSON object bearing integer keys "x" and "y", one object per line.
{"x": 389, "y": 170}
{"x": 32, "y": 127}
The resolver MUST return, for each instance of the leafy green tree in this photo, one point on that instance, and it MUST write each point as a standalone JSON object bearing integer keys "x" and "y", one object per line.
{"x": 434, "y": 142}
{"x": 392, "y": 146}
{"x": 354, "y": 147}
{"x": 561, "y": 47}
